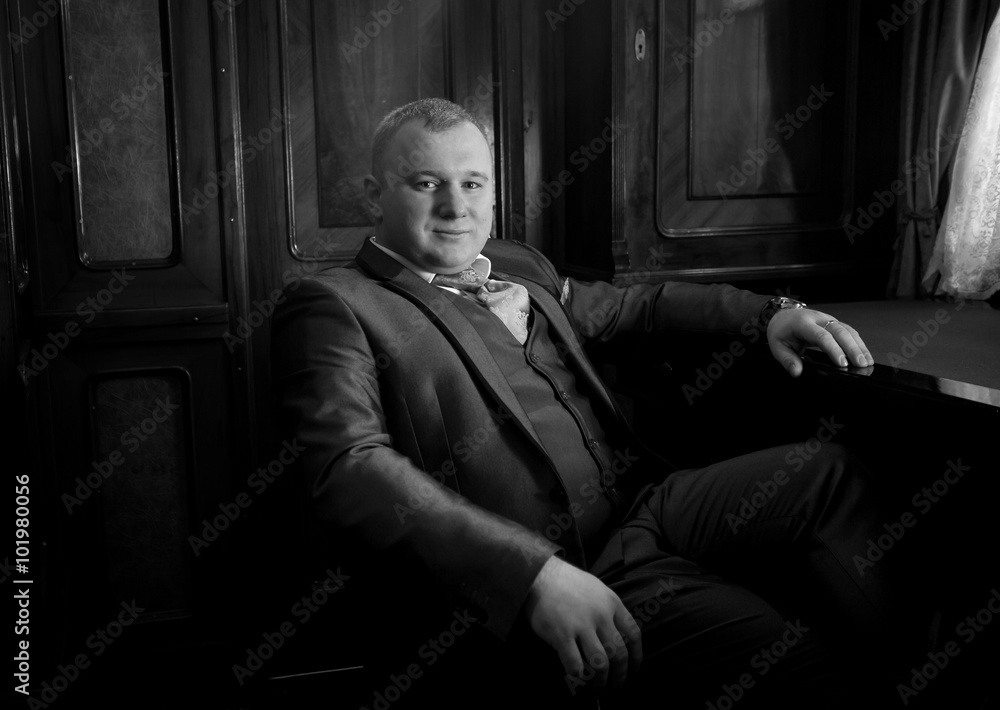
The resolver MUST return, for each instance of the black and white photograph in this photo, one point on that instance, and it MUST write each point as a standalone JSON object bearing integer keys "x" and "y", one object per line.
{"x": 502, "y": 354}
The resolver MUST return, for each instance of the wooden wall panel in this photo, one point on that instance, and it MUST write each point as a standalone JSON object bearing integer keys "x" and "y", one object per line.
{"x": 139, "y": 456}
{"x": 120, "y": 133}
{"x": 140, "y": 425}
{"x": 66, "y": 277}
{"x": 712, "y": 179}
{"x": 360, "y": 83}
{"x": 129, "y": 306}
{"x": 759, "y": 67}
{"x": 544, "y": 115}
{"x": 345, "y": 66}
{"x": 754, "y": 133}
{"x": 589, "y": 158}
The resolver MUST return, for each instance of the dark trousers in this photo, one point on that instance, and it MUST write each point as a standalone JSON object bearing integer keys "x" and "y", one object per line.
{"x": 743, "y": 579}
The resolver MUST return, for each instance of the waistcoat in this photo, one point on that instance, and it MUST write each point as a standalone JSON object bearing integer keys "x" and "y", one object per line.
{"x": 562, "y": 418}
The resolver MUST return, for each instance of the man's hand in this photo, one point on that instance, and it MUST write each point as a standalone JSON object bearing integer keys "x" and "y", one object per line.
{"x": 585, "y": 622}
{"x": 791, "y": 330}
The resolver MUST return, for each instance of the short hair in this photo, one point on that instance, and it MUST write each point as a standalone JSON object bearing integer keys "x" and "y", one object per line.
{"x": 438, "y": 115}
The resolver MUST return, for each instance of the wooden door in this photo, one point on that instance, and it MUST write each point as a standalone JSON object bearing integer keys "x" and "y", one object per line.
{"x": 735, "y": 142}
{"x": 168, "y": 167}
{"x": 136, "y": 408}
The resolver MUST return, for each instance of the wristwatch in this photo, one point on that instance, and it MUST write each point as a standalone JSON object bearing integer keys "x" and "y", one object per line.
{"x": 778, "y": 303}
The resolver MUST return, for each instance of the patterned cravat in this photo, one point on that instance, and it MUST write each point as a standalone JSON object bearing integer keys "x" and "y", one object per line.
{"x": 507, "y": 301}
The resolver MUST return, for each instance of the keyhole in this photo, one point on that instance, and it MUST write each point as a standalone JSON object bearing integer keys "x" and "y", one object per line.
{"x": 640, "y": 45}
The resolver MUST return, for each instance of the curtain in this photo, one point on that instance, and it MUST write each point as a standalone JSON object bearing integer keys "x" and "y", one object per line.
{"x": 941, "y": 49}
{"x": 965, "y": 262}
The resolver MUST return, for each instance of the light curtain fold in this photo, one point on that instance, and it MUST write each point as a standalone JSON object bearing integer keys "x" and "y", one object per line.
{"x": 942, "y": 47}
{"x": 965, "y": 262}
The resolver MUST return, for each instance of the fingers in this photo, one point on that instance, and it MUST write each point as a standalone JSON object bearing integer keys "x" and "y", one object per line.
{"x": 615, "y": 651}
{"x": 571, "y": 659}
{"x": 787, "y": 357}
{"x": 603, "y": 657}
{"x": 606, "y": 659}
{"x": 598, "y": 642}
{"x": 856, "y": 350}
{"x": 791, "y": 329}
{"x": 844, "y": 345}
{"x": 618, "y": 659}
{"x": 599, "y": 656}
{"x": 790, "y": 361}
{"x": 629, "y": 629}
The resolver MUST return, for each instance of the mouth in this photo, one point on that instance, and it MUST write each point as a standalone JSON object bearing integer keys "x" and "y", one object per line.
{"x": 451, "y": 232}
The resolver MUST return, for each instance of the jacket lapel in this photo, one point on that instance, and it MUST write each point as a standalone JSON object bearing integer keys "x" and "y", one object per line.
{"x": 575, "y": 358}
{"x": 456, "y": 327}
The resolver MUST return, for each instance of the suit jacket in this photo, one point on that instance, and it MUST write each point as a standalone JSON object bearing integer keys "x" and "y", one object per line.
{"x": 415, "y": 444}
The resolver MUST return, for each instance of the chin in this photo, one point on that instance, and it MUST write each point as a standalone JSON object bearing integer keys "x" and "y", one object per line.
{"x": 458, "y": 260}
{"x": 454, "y": 265}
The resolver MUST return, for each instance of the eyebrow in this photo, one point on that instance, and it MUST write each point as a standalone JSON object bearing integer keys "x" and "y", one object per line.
{"x": 441, "y": 176}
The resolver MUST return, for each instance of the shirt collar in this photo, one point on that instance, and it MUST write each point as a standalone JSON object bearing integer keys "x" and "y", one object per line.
{"x": 481, "y": 264}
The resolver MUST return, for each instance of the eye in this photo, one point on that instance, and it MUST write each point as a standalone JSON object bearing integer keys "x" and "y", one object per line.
{"x": 471, "y": 185}
{"x": 426, "y": 184}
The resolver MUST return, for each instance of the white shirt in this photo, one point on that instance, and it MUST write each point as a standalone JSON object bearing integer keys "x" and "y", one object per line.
{"x": 481, "y": 265}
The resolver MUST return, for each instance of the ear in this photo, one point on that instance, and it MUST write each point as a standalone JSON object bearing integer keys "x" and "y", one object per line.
{"x": 373, "y": 197}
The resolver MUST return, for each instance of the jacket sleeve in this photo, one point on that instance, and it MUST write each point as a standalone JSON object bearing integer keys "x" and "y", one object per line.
{"x": 327, "y": 388}
{"x": 600, "y": 311}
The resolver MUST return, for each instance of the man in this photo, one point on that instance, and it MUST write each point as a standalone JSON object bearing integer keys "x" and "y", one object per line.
{"x": 462, "y": 440}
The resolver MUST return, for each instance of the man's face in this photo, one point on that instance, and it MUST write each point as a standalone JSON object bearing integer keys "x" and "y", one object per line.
{"x": 435, "y": 202}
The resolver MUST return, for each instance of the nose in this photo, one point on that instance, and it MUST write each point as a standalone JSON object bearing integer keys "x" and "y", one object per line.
{"x": 451, "y": 202}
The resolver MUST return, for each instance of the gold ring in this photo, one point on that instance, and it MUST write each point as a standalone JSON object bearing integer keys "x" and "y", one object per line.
{"x": 828, "y": 324}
